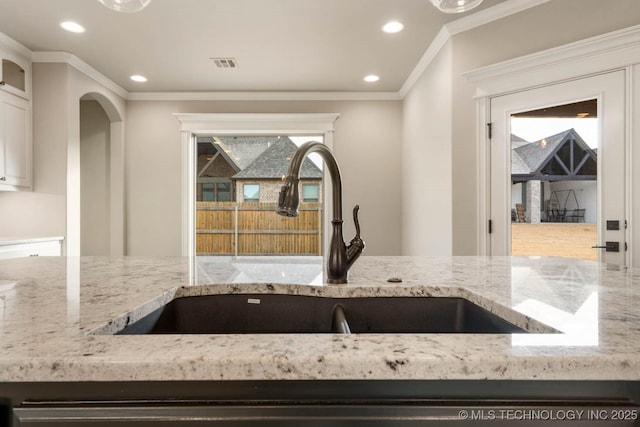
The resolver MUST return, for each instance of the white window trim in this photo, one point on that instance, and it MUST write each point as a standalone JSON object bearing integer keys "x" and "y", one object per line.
{"x": 199, "y": 124}
{"x": 608, "y": 52}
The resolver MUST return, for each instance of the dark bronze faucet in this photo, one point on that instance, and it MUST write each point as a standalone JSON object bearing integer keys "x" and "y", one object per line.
{"x": 341, "y": 256}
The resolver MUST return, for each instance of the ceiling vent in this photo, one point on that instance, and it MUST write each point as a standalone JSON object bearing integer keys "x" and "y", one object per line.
{"x": 225, "y": 62}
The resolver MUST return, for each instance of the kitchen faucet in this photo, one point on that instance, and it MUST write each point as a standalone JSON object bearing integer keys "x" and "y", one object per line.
{"x": 341, "y": 256}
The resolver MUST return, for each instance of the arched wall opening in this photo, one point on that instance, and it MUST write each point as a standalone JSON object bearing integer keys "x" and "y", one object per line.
{"x": 95, "y": 203}
{"x": 95, "y": 172}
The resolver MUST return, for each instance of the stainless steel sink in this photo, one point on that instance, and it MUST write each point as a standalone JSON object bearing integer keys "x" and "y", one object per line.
{"x": 294, "y": 314}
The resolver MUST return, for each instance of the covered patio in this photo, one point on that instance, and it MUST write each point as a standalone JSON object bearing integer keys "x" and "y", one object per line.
{"x": 553, "y": 179}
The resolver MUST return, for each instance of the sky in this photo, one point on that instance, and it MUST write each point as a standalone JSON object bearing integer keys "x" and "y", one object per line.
{"x": 299, "y": 140}
{"x": 534, "y": 129}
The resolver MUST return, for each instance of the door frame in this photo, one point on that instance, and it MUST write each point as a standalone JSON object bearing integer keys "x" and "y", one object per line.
{"x": 619, "y": 50}
{"x": 608, "y": 90}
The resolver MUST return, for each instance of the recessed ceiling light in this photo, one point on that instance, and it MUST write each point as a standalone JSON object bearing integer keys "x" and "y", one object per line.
{"x": 138, "y": 78}
{"x": 393, "y": 27}
{"x": 371, "y": 78}
{"x": 72, "y": 27}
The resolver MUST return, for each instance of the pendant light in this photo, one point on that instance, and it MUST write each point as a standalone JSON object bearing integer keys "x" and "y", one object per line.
{"x": 455, "y": 6}
{"x": 126, "y": 6}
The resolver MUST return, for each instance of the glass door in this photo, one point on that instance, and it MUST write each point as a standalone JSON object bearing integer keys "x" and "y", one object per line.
{"x": 558, "y": 171}
{"x": 554, "y": 180}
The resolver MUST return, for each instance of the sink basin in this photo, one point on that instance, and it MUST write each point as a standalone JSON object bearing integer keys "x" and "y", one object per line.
{"x": 269, "y": 313}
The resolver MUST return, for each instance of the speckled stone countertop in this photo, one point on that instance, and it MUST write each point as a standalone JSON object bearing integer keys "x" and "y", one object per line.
{"x": 56, "y": 313}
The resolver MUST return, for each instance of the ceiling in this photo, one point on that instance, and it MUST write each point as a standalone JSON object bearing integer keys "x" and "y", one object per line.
{"x": 279, "y": 45}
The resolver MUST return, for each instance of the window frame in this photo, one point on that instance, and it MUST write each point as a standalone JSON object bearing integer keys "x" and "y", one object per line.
{"x": 193, "y": 125}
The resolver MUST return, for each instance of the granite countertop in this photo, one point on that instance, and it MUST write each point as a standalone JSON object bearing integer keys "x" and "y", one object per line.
{"x": 55, "y": 316}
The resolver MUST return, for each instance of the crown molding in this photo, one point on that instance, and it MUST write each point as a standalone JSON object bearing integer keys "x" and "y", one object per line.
{"x": 432, "y": 51}
{"x": 83, "y": 67}
{"x": 486, "y": 16}
{"x": 264, "y": 96}
{"x": 490, "y": 14}
{"x": 16, "y": 47}
{"x": 594, "y": 55}
{"x": 79, "y": 64}
{"x": 247, "y": 123}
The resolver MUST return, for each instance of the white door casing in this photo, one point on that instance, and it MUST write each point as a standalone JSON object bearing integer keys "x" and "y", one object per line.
{"x": 618, "y": 50}
{"x": 609, "y": 90}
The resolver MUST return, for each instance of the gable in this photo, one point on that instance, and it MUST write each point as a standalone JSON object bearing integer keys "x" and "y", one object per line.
{"x": 564, "y": 156}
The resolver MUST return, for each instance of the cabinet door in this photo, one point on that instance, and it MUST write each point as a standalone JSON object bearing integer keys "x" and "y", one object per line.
{"x": 15, "y": 73}
{"x": 15, "y": 141}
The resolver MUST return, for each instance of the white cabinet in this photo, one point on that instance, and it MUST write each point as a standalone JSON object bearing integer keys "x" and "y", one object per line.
{"x": 15, "y": 68}
{"x": 15, "y": 116}
{"x": 15, "y": 143}
{"x": 30, "y": 247}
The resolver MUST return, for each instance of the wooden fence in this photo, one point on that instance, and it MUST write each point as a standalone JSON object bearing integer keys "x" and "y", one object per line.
{"x": 230, "y": 228}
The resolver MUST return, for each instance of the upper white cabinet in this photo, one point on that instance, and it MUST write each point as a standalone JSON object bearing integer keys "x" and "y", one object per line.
{"x": 15, "y": 68}
{"x": 15, "y": 143}
{"x": 15, "y": 116}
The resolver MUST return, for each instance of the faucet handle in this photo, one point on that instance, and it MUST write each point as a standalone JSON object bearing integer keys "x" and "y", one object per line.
{"x": 356, "y": 208}
{"x": 356, "y": 246}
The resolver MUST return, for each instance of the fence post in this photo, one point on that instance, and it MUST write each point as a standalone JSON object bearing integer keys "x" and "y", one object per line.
{"x": 320, "y": 230}
{"x": 235, "y": 222}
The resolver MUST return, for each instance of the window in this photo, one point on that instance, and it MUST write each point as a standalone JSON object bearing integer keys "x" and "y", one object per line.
{"x": 197, "y": 235}
{"x": 208, "y": 192}
{"x": 214, "y": 192}
{"x": 310, "y": 192}
{"x": 251, "y": 192}
{"x": 224, "y": 192}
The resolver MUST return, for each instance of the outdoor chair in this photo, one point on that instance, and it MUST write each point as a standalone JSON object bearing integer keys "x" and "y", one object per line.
{"x": 520, "y": 212}
{"x": 576, "y": 215}
{"x": 558, "y": 215}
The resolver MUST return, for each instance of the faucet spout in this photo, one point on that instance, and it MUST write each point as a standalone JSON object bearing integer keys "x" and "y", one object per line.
{"x": 341, "y": 257}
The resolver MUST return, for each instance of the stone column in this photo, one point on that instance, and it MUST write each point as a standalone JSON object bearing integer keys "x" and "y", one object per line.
{"x": 533, "y": 202}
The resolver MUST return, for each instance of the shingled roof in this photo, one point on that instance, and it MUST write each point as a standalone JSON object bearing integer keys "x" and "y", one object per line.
{"x": 242, "y": 150}
{"x": 273, "y": 163}
{"x": 535, "y": 160}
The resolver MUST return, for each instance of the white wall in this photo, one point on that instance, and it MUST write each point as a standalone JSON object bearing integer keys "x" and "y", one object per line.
{"x": 42, "y": 212}
{"x": 426, "y": 161}
{"x": 95, "y": 179}
{"x": 366, "y": 145}
{"x": 53, "y": 207}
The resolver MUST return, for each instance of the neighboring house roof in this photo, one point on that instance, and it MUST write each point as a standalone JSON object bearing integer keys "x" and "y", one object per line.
{"x": 273, "y": 163}
{"x": 518, "y": 165}
{"x": 243, "y": 150}
{"x": 517, "y": 141}
{"x": 552, "y": 159}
